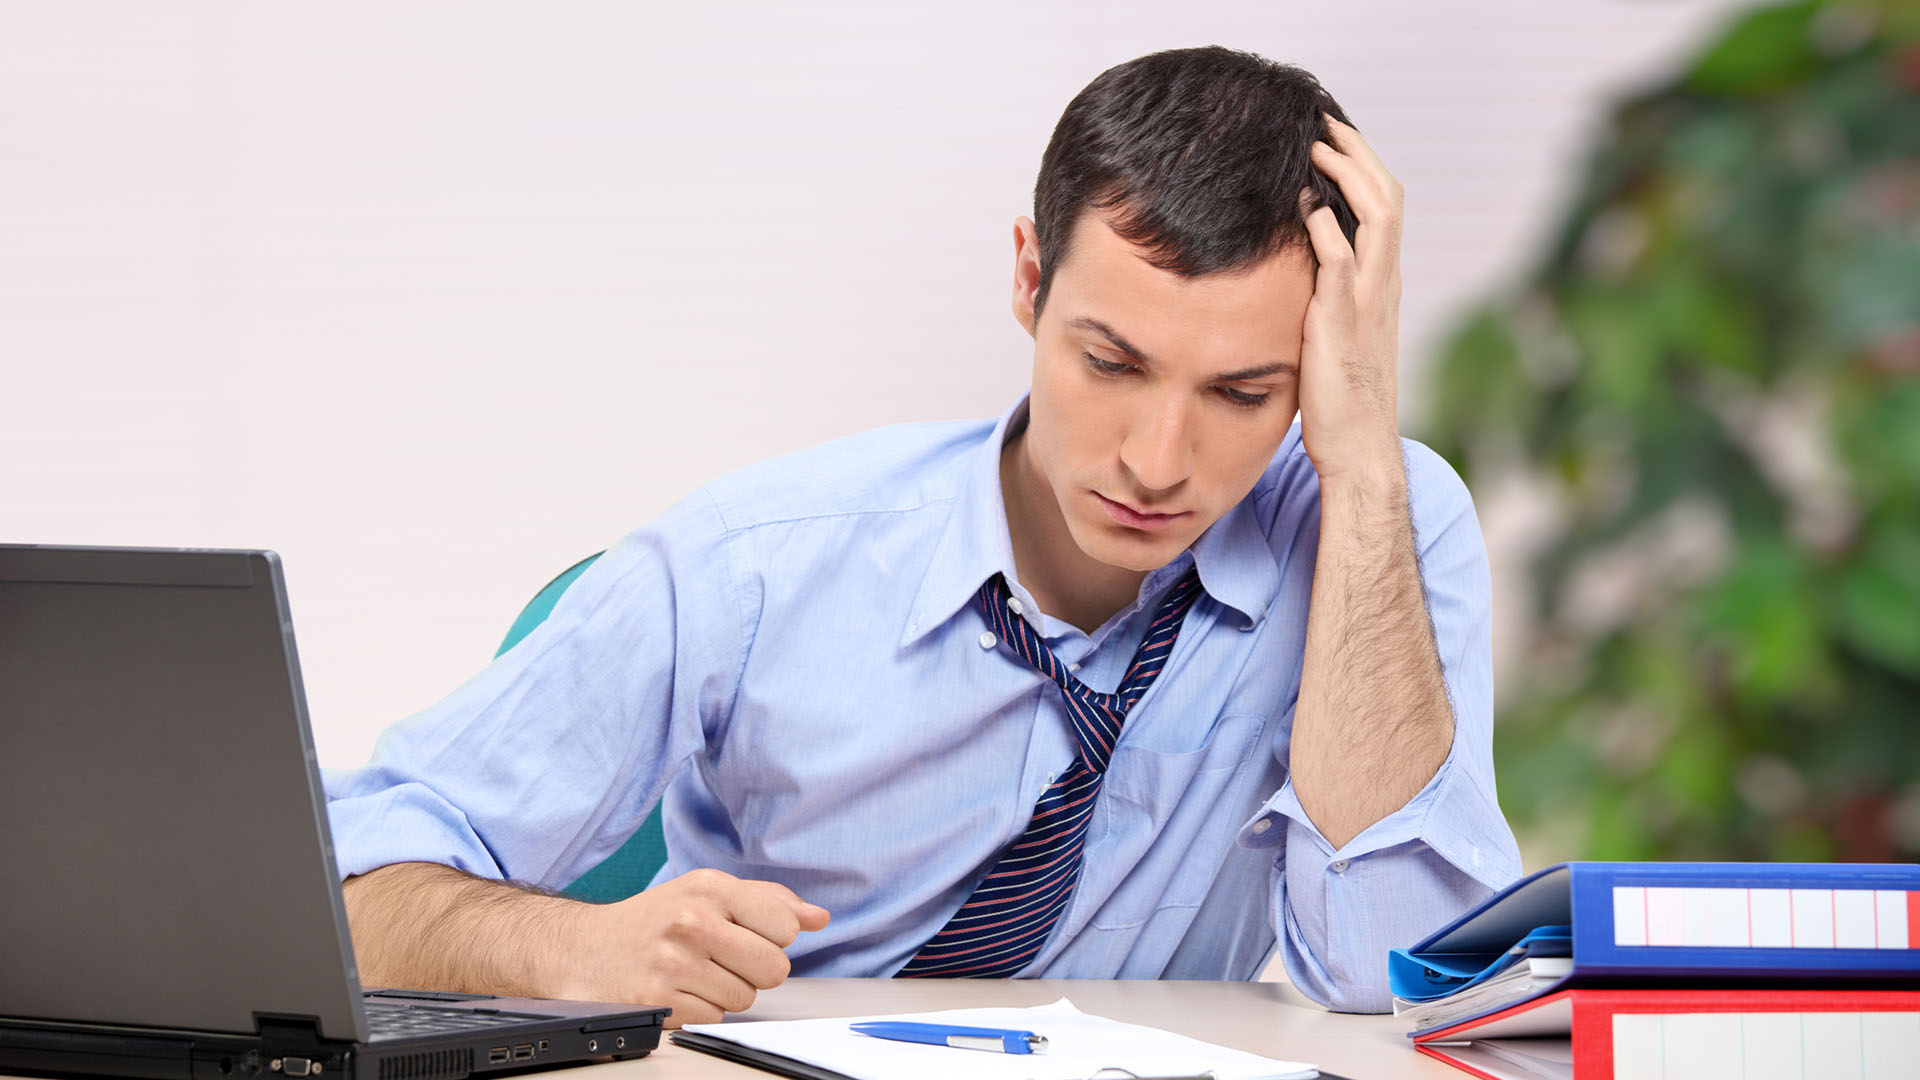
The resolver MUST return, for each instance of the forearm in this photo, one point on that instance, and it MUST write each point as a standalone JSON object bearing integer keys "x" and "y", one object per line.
{"x": 1372, "y": 724}
{"x": 701, "y": 944}
{"x": 431, "y": 927}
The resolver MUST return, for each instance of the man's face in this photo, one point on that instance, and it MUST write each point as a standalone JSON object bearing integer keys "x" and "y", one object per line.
{"x": 1158, "y": 400}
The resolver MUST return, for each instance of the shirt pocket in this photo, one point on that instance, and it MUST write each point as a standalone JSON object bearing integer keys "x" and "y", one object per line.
{"x": 1168, "y": 818}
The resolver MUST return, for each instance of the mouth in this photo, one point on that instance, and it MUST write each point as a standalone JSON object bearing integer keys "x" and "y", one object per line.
{"x": 1132, "y": 518}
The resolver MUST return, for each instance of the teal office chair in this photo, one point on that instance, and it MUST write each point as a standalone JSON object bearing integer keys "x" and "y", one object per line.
{"x": 629, "y": 869}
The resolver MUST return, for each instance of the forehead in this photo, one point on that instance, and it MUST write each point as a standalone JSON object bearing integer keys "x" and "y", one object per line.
{"x": 1254, "y": 312}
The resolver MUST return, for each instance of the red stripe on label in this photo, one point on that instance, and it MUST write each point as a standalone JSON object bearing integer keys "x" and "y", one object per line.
{"x": 1913, "y": 920}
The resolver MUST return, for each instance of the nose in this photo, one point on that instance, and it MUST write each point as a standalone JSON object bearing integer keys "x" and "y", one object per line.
{"x": 1158, "y": 449}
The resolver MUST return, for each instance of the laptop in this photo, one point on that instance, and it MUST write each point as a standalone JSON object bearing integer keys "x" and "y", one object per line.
{"x": 168, "y": 901}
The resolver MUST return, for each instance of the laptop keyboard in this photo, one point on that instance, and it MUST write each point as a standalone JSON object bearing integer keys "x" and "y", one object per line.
{"x": 387, "y": 1020}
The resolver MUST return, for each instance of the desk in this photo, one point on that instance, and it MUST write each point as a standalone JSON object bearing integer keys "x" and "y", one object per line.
{"x": 1265, "y": 1018}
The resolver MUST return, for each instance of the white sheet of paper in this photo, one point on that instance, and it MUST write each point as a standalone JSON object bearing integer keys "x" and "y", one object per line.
{"x": 1078, "y": 1046}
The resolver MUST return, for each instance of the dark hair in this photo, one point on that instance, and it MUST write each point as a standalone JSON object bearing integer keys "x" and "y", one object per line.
{"x": 1197, "y": 155}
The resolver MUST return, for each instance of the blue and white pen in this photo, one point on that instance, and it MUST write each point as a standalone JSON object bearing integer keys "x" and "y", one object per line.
{"x": 1000, "y": 1040}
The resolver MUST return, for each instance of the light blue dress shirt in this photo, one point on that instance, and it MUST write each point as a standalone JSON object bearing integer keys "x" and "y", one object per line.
{"x": 791, "y": 659}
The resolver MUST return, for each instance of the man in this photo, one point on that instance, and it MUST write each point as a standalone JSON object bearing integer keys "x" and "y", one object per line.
{"x": 1141, "y": 680}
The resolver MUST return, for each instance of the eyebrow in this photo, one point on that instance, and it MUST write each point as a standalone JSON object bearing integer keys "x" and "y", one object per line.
{"x": 1096, "y": 326}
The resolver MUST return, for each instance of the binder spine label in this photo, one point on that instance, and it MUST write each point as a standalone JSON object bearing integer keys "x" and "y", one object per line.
{"x": 1673, "y": 1046}
{"x": 1736, "y": 918}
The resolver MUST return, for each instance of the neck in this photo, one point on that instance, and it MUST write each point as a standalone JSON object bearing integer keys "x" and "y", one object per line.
{"x": 1064, "y": 581}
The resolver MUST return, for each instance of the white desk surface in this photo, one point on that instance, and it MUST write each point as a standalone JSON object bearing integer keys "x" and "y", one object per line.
{"x": 1266, "y": 1018}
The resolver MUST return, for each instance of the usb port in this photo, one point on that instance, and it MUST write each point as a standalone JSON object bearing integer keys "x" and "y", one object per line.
{"x": 498, "y": 1055}
{"x": 543, "y": 1046}
{"x": 523, "y": 1052}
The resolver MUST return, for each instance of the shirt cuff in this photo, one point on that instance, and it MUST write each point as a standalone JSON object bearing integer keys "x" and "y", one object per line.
{"x": 407, "y": 822}
{"x": 1337, "y": 912}
{"x": 1451, "y": 815}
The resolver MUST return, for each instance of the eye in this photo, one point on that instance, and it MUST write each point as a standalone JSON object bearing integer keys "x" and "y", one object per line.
{"x": 1105, "y": 367}
{"x": 1242, "y": 399}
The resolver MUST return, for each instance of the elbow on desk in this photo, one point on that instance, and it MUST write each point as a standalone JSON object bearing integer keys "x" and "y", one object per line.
{"x": 1358, "y": 1001}
{"x": 1339, "y": 981}
{"x": 1340, "y": 996}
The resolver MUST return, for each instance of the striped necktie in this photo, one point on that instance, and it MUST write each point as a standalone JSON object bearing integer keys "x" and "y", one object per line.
{"x": 1008, "y": 917}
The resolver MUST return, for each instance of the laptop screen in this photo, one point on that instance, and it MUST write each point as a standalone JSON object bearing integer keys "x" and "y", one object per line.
{"x": 164, "y": 860}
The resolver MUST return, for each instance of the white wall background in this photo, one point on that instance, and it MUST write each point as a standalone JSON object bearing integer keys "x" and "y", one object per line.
{"x": 436, "y": 298}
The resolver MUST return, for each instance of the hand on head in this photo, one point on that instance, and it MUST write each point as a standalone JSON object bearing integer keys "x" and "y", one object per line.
{"x": 1350, "y": 351}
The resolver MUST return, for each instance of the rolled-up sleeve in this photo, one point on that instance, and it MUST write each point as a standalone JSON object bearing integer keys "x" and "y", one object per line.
{"x": 1336, "y": 913}
{"x": 546, "y": 761}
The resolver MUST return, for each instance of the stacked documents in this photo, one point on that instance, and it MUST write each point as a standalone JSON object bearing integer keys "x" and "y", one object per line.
{"x": 1524, "y": 978}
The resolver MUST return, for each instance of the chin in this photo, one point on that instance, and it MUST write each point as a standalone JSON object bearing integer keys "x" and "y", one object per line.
{"x": 1128, "y": 550}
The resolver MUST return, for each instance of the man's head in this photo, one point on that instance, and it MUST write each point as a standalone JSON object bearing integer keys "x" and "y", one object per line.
{"x": 1165, "y": 278}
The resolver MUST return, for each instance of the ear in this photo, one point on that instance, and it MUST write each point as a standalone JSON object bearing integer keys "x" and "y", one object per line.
{"x": 1026, "y": 272}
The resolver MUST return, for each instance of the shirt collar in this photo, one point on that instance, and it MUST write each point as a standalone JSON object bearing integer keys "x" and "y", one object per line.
{"x": 1235, "y": 559}
{"x": 976, "y": 543}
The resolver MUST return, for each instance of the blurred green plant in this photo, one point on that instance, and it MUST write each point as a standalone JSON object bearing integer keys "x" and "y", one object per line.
{"x": 1713, "y": 376}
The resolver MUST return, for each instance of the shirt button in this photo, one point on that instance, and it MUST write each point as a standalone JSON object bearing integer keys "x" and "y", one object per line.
{"x": 1338, "y": 866}
{"x": 987, "y": 640}
{"x": 1013, "y": 605}
{"x": 1073, "y": 667}
{"x": 1262, "y": 826}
